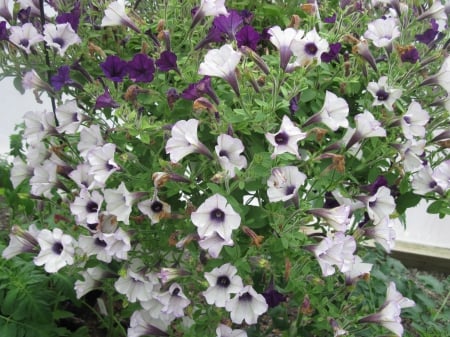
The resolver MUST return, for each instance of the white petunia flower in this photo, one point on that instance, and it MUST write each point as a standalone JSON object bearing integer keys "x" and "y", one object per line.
{"x": 101, "y": 160}
{"x": 142, "y": 324}
{"x": 284, "y": 182}
{"x": 223, "y": 282}
{"x": 282, "y": 39}
{"x": 155, "y": 209}
{"x": 115, "y": 15}
{"x": 247, "y": 305}
{"x": 383, "y": 94}
{"x": 90, "y": 138}
{"x": 69, "y": 117}
{"x": 60, "y": 36}
{"x": 25, "y": 36}
{"x": 214, "y": 243}
{"x": 86, "y": 207}
{"x": 136, "y": 286}
{"x": 382, "y": 32}
{"x": 308, "y": 48}
{"x": 225, "y": 331}
{"x": 174, "y": 301}
{"x": 92, "y": 278}
{"x": 366, "y": 126}
{"x": 57, "y": 250}
{"x": 21, "y": 241}
{"x": 382, "y": 232}
{"x": 414, "y": 120}
{"x": 285, "y": 140}
{"x": 229, "y": 150}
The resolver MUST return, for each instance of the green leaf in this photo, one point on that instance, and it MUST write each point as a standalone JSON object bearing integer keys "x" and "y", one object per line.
{"x": 308, "y": 95}
{"x": 407, "y": 200}
{"x": 431, "y": 282}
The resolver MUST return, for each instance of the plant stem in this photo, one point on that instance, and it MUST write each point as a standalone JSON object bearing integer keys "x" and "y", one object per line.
{"x": 444, "y": 302}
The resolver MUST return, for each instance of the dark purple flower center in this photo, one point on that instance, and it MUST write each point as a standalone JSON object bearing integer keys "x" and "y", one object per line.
{"x": 92, "y": 207}
{"x": 223, "y": 153}
{"x": 217, "y": 215}
{"x": 372, "y": 203}
{"x": 176, "y": 291}
{"x": 100, "y": 242}
{"x": 407, "y": 119}
{"x": 281, "y": 138}
{"x": 223, "y": 281}
{"x": 311, "y": 48}
{"x": 247, "y": 297}
{"x": 109, "y": 166}
{"x": 290, "y": 190}
{"x": 57, "y": 248}
{"x": 382, "y": 95}
{"x": 92, "y": 226}
{"x": 156, "y": 206}
{"x": 24, "y": 42}
{"x": 432, "y": 184}
{"x": 59, "y": 41}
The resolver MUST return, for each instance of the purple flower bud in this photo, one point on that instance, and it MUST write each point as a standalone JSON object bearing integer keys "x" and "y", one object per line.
{"x": 331, "y": 19}
{"x": 114, "y": 68}
{"x": 197, "y": 90}
{"x": 272, "y": 296}
{"x": 293, "y": 104}
{"x": 24, "y": 15}
{"x": 172, "y": 96}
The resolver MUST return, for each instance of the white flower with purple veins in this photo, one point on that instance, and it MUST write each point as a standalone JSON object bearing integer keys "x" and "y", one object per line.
{"x": 118, "y": 243}
{"x": 174, "y": 301}
{"x": 247, "y": 305}
{"x": 441, "y": 174}
{"x": 119, "y": 202}
{"x": 357, "y": 270}
{"x": 308, "y": 48}
{"x": 229, "y": 150}
{"x": 38, "y": 124}
{"x": 82, "y": 177}
{"x": 214, "y": 243}
{"x": 337, "y": 217}
{"x": 69, "y": 117}
{"x": 282, "y": 39}
{"x": 94, "y": 245}
{"x": 380, "y": 204}
{"x": 92, "y": 278}
{"x": 90, "y": 138}
{"x": 382, "y": 32}
{"x": 393, "y": 295}
{"x": 215, "y": 215}
{"x": 60, "y": 36}
{"x": 32, "y": 81}
{"x": 334, "y": 252}
{"x": 19, "y": 171}
{"x": 21, "y": 241}
{"x": 44, "y": 179}
{"x": 155, "y": 209}
{"x": 411, "y": 150}
{"x": 382, "y": 232}
{"x": 184, "y": 141}
{"x": 25, "y": 36}
{"x": 423, "y": 181}
{"x": 285, "y": 140}
{"x": 142, "y": 324}
{"x": 222, "y": 63}
{"x": 6, "y": 9}
{"x": 383, "y": 94}
{"x": 366, "y": 126}
{"x": 223, "y": 282}
{"x": 284, "y": 183}
{"x": 209, "y": 8}
{"x": 115, "y": 15}
{"x": 86, "y": 207}
{"x": 57, "y": 250}
{"x": 334, "y": 112}
{"x": 414, "y": 120}
{"x": 102, "y": 162}
{"x": 136, "y": 286}
{"x": 225, "y": 331}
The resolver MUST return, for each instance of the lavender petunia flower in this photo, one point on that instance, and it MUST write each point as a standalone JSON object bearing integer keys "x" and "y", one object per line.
{"x": 60, "y": 36}
{"x": 141, "y": 68}
{"x": 62, "y": 78}
{"x": 114, "y": 68}
{"x": 115, "y": 15}
{"x": 167, "y": 61}
{"x": 248, "y": 36}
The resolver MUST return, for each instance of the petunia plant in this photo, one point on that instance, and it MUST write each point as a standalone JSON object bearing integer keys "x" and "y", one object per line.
{"x": 222, "y": 169}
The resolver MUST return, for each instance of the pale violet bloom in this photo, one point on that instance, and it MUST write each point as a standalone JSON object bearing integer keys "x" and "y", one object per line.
{"x": 214, "y": 243}
{"x": 38, "y": 124}
{"x": 223, "y": 281}
{"x": 357, "y": 270}
{"x": 285, "y": 140}
{"x": 21, "y": 241}
{"x": 247, "y": 305}
{"x": 82, "y": 177}
{"x": 44, "y": 179}
{"x": 414, "y": 120}
{"x": 184, "y": 141}
{"x": 393, "y": 295}
{"x": 101, "y": 160}
{"x": 90, "y": 138}
{"x": 91, "y": 280}
{"x": 6, "y": 9}
{"x": 382, "y": 232}
{"x": 115, "y": 15}
{"x": 94, "y": 245}
{"x": 383, "y": 93}
{"x": 174, "y": 301}
{"x": 382, "y": 32}
{"x": 215, "y": 215}
{"x": 423, "y": 181}
{"x": 225, "y": 331}
{"x": 442, "y": 77}
{"x": 119, "y": 202}
{"x": 333, "y": 114}
{"x": 35, "y": 10}
{"x": 353, "y": 203}
{"x": 222, "y": 63}
{"x": 32, "y": 81}
{"x": 410, "y": 151}
{"x": 155, "y": 209}
{"x": 436, "y": 11}
{"x": 118, "y": 243}
{"x": 86, "y": 207}
{"x": 25, "y": 36}
{"x": 69, "y": 117}
{"x": 336, "y": 251}
{"x": 37, "y": 153}
{"x": 209, "y": 8}
{"x": 282, "y": 39}
{"x": 60, "y": 36}
{"x": 380, "y": 204}
{"x": 136, "y": 286}
{"x": 229, "y": 150}
{"x": 441, "y": 174}
{"x": 143, "y": 324}
{"x": 366, "y": 126}
{"x": 308, "y": 48}
{"x": 284, "y": 182}
{"x": 19, "y": 171}
{"x": 338, "y": 217}
{"x": 57, "y": 250}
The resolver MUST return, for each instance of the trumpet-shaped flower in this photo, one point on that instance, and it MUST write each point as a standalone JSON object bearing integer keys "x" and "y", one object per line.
{"x": 223, "y": 282}
{"x": 57, "y": 250}
{"x": 21, "y": 241}
{"x": 114, "y": 68}
{"x": 136, "y": 286}
{"x": 184, "y": 141}
{"x": 222, "y": 63}
{"x": 44, "y": 179}
{"x": 102, "y": 162}
{"x": 380, "y": 204}
{"x": 366, "y": 126}
{"x": 119, "y": 202}
{"x": 285, "y": 140}
{"x": 69, "y": 117}
{"x": 86, "y": 207}
{"x": 25, "y": 36}
{"x": 209, "y": 8}
{"x": 337, "y": 217}
{"x": 282, "y": 39}
{"x": 174, "y": 301}
{"x": 382, "y": 232}
{"x": 414, "y": 120}
{"x": 442, "y": 77}
{"x": 284, "y": 183}
{"x": 142, "y": 324}
{"x": 94, "y": 245}
{"x": 229, "y": 151}
{"x": 333, "y": 114}
{"x": 382, "y": 32}
{"x": 60, "y": 36}
{"x": 411, "y": 150}
{"x": 141, "y": 68}
{"x": 357, "y": 270}
{"x": 423, "y": 181}
{"x": 115, "y": 15}
{"x": 383, "y": 94}
{"x": 441, "y": 174}
{"x": 155, "y": 209}
{"x": 225, "y": 331}
{"x": 247, "y": 305}
{"x": 214, "y": 243}
{"x": 92, "y": 278}
{"x": 215, "y": 215}
{"x": 38, "y": 124}
{"x": 90, "y": 138}
{"x": 308, "y": 48}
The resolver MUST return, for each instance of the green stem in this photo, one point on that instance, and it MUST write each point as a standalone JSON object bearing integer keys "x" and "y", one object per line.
{"x": 444, "y": 302}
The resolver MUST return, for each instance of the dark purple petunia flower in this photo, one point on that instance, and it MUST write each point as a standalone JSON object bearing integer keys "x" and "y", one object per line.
{"x": 247, "y": 16}
{"x": 272, "y": 296}
{"x": 106, "y": 101}
{"x": 379, "y": 182}
{"x": 61, "y": 78}
{"x": 167, "y": 61}
{"x": 247, "y": 36}
{"x": 72, "y": 17}
{"x": 114, "y": 68}
{"x": 331, "y": 19}
{"x": 410, "y": 55}
{"x": 24, "y": 15}
{"x": 197, "y": 90}
{"x": 333, "y": 54}
{"x": 3, "y": 31}
{"x": 430, "y": 34}
{"x": 141, "y": 68}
